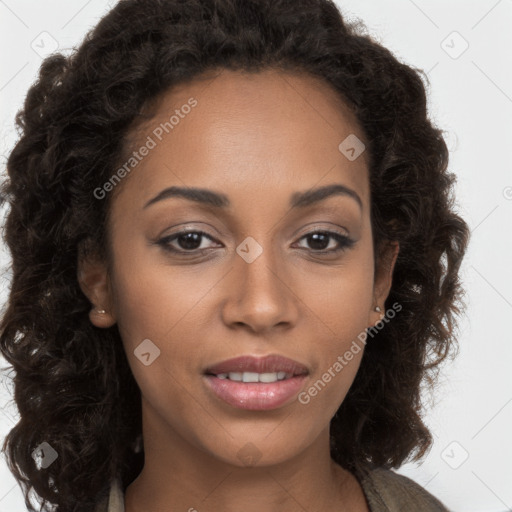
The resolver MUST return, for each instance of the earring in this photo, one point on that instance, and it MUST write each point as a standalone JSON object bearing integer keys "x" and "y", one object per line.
{"x": 100, "y": 311}
{"x": 377, "y": 308}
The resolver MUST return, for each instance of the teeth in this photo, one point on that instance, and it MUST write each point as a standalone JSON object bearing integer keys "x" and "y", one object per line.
{"x": 255, "y": 377}
{"x": 269, "y": 377}
{"x": 250, "y": 377}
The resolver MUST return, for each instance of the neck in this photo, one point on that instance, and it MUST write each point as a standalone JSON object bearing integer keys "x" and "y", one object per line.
{"x": 178, "y": 475}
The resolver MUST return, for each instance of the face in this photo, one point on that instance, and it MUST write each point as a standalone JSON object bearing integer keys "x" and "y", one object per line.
{"x": 257, "y": 264}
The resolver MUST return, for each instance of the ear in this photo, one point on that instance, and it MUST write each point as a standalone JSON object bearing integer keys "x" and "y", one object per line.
{"x": 384, "y": 267}
{"x": 94, "y": 281}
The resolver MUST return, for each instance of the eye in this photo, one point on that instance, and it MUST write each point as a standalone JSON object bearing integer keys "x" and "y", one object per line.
{"x": 187, "y": 241}
{"x": 192, "y": 241}
{"x": 320, "y": 241}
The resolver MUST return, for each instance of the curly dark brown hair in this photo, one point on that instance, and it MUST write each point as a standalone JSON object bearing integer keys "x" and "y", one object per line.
{"x": 73, "y": 385}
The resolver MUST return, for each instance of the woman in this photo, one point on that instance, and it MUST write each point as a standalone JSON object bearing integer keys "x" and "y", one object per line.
{"x": 235, "y": 260}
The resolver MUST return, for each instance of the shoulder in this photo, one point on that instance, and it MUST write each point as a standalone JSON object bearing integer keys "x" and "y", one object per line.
{"x": 387, "y": 491}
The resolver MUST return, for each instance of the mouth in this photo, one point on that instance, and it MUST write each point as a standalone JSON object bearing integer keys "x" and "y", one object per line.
{"x": 256, "y": 383}
{"x": 254, "y": 376}
{"x": 266, "y": 367}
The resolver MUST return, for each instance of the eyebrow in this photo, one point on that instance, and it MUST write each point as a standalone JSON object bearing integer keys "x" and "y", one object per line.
{"x": 219, "y": 200}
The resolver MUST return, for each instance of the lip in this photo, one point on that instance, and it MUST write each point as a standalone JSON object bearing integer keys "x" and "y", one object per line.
{"x": 268, "y": 364}
{"x": 257, "y": 396}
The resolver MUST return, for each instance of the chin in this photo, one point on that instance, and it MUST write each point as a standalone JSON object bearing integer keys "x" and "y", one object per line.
{"x": 257, "y": 451}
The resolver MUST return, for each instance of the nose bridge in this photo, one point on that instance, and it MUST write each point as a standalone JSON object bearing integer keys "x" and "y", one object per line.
{"x": 257, "y": 266}
{"x": 258, "y": 296}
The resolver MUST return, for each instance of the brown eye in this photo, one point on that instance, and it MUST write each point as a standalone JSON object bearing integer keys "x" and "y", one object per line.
{"x": 184, "y": 241}
{"x": 319, "y": 241}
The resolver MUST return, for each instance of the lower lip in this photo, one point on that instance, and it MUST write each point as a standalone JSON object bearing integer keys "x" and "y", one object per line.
{"x": 256, "y": 396}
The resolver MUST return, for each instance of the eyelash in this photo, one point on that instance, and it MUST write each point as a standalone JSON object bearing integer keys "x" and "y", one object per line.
{"x": 344, "y": 242}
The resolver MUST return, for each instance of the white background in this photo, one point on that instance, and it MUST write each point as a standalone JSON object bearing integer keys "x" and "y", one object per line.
{"x": 470, "y": 96}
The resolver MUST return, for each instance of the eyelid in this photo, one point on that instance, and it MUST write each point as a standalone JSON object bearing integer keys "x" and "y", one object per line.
{"x": 312, "y": 227}
{"x": 320, "y": 226}
{"x": 344, "y": 241}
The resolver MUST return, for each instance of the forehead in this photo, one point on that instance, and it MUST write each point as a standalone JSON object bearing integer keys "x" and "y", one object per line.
{"x": 246, "y": 131}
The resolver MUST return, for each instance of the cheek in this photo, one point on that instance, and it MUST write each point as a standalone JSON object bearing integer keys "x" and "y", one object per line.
{"x": 155, "y": 316}
{"x": 342, "y": 305}
{"x": 151, "y": 296}
{"x": 343, "y": 295}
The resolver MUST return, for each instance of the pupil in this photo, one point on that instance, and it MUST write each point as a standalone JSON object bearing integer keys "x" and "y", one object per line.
{"x": 316, "y": 238}
{"x": 191, "y": 240}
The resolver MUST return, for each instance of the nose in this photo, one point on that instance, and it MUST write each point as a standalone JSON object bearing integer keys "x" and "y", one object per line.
{"x": 259, "y": 295}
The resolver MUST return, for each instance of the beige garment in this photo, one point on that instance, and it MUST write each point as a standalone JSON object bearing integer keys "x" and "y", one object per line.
{"x": 385, "y": 491}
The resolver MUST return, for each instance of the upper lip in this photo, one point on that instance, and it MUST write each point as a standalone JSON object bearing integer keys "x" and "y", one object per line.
{"x": 267, "y": 364}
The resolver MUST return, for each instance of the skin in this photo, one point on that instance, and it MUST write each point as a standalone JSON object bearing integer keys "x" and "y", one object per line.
{"x": 257, "y": 138}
